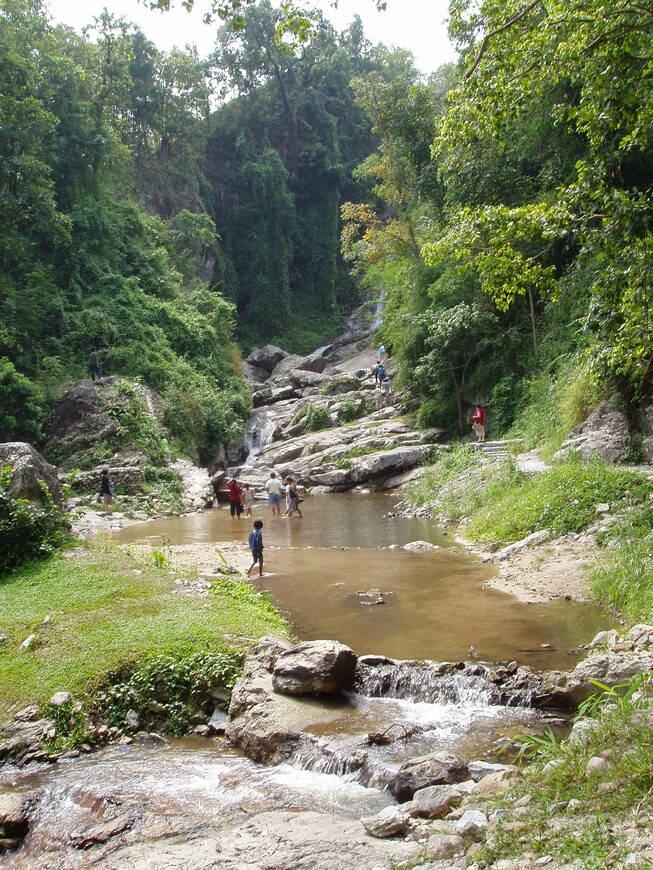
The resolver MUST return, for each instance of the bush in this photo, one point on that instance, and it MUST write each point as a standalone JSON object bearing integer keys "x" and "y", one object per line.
{"x": 21, "y": 410}
{"x": 27, "y": 532}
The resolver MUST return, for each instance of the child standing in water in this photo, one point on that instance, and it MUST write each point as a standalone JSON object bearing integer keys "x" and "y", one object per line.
{"x": 248, "y": 499}
{"x": 256, "y": 546}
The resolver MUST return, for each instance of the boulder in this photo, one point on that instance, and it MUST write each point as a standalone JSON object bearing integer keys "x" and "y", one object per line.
{"x": 388, "y": 823}
{"x": 266, "y": 357}
{"x": 313, "y": 363}
{"x": 198, "y": 491}
{"x": 441, "y": 768}
{"x": 436, "y": 801}
{"x": 14, "y": 820}
{"x": 569, "y": 689}
{"x": 472, "y": 824}
{"x": 255, "y": 374}
{"x": 28, "y": 471}
{"x": 315, "y": 667}
{"x": 605, "y": 433}
{"x": 442, "y": 846}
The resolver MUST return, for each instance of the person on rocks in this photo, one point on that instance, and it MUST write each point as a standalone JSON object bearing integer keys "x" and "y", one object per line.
{"x": 247, "y": 500}
{"x": 381, "y": 353}
{"x": 292, "y": 498}
{"x": 378, "y": 397}
{"x": 273, "y": 489}
{"x": 235, "y": 497}
{"x": 375, "y": 371}
{"x": 385, "y": 386}
{"x": 380, "y": 374}
{"x": 256, "y": 546}
{"x": 478, "y": 423}
{"x": 106, "y": 491}
{"x": 94, "y": 365}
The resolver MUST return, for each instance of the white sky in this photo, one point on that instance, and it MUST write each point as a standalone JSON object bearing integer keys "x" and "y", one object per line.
{"x": 418, "y": 25}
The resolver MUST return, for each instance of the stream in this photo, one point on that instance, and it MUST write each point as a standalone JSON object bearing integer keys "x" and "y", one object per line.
{"x": 173, "y": 804}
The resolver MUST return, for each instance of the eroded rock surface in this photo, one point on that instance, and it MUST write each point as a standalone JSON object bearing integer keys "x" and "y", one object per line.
{"x": 29, "y": 471}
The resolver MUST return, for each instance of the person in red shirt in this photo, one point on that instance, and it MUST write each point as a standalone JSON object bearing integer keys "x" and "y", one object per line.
{"x": 235, "y": 498}
{"x": 478, "y": 423}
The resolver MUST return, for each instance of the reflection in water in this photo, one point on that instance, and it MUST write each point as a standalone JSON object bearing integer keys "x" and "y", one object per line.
{"x": 434, "y": 606}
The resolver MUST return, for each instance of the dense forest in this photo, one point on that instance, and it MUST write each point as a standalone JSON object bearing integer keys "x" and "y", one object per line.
{"x": 173, "y": 210}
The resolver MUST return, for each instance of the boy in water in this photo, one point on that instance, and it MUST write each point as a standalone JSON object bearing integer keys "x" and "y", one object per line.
{"x": 247, "y": 499}
{"x": 256, "y": 546}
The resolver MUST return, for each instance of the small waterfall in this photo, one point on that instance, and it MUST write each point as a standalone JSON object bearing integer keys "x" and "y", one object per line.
{"x": 429, "y": 683}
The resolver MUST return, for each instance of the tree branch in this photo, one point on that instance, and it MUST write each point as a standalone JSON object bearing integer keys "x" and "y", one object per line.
{"x": 489, "y": 36}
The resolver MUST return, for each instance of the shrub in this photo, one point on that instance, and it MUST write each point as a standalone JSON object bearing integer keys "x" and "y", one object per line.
{"x": 26, "y": 531}
{"x": 21, "y": 410}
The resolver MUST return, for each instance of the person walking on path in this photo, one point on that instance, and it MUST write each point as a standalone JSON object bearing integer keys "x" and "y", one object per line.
{"x": 385, "y": 386}
{"x": 94, "y": 365}
{"x": 378, "y": 397}
{"x": 247, "y": 499}
{"x": 256, "y": 546}
{"x": 235, "y": 498}
{"x": 381, "y": 353}
{"x": 106, "y": 491}
{"x": 478, "y": 423}
{"x": 273, "y": 489}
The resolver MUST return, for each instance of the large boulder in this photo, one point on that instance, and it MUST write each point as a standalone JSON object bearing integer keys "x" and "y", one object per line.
{"x": 569, "y": 689}
{"x": 441, "y": 768}
{"x": 605, "y": 433}
{"x": 267, "y": 726}
{"x": 29, "y": 471}
{"x": 321, "y": 667}
{"x": 266, "y": 357}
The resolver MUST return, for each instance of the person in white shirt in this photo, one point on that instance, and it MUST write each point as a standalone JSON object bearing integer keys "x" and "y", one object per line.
{"x": 273, "y": 489}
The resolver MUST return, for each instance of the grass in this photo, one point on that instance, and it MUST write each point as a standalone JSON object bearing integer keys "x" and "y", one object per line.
{"x": 501, "y": 503}
{"x": 98, "y": 608}
{"x": 607, "y": 808}
{"x": 623, "y": 580}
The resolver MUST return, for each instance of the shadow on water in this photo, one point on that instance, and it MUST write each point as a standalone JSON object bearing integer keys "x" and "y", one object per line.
{"x": 434, "y": 601}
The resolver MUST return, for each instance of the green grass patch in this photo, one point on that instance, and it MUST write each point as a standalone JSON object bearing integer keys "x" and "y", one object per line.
{"x": 592, "y": 828}
{"x": 623, "y": 580}
{"x": 99, "y": 609}
{"x": 503, "y": 504}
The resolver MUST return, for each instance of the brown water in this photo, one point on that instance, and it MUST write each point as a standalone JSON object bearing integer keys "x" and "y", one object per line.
{"x": 435, "y": 604}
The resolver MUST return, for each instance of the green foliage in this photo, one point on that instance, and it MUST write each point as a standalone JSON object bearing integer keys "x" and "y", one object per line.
{"x": 562, "y": 499}
{"x": 27, "y": 531}
{"x": 243, "y": 592}
{"x": 173, "y": 684}
{"x": 316, "y": 417}
{"x": 623, "y": 579}
{"x": 21, "y": 406}
{"x": 580, "y": 832}
{"x": 106, "y": 609}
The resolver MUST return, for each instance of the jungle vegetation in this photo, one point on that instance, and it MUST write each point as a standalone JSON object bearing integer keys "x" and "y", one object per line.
{"x": 174, "y": 210}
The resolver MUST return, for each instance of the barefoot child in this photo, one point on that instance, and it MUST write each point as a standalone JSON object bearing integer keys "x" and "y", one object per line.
{"x": 247, "y": 499}
{"x": 256, "y": 546}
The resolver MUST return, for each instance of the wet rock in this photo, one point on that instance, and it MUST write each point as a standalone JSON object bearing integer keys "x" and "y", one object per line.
{"x": 103, "y": 832}
{"x": 314, "y": 667}
{"x": 441, "y": 768}
{"x": 388, "y": 823}
{"x": 420, "y": 545}
{"x": 14, "y": 817}
{"x": 29, "y": 471}
{"x": 218, "y": 721}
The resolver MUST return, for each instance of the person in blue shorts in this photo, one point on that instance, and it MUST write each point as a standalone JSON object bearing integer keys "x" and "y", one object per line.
{"x": 273, "y": 489}
{"x": 256, "y": 546}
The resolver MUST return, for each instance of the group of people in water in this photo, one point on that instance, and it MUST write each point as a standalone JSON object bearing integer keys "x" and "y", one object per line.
{"x": 241, "y": 498}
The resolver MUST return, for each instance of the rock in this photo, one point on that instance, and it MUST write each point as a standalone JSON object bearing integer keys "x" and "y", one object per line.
{"x": 28, "y": 471}
{"x": 495, "y": 784}
{"x": 605, "y": 433}
{"x": 420, "y": 545}
{"x": 443, "y": 846}
{"x": 266, "y": 357}
{"x": 569, "y": 689}
{"x": 388, "y": 823}
{"x": 14, "y": 819}
{"x": 596, "y": 765}
{"x": 29, "y": 642}
{"x": 198, "y": 490}
{"x": 529, "y": 541}
{"x": 218, "y": 721}
{"x": 131, "y": 720}
{"x": 604, "y": 639}
{"x": 479, "y": 769}
{"x": 103, "y": 832}
{"x": 314, "y": 667}
{"x": 255, "y": 374}
{"x": 441, "y": 768}
{"x": 59, "y": 699}
{"x": 435, "y": 801}
{"x": 472, "y": 824}
{"x": 641, "y": 635}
